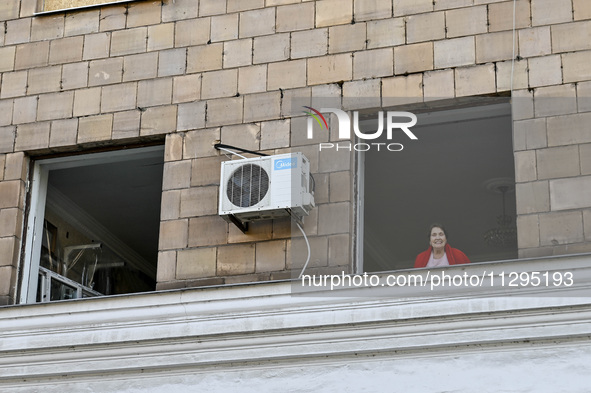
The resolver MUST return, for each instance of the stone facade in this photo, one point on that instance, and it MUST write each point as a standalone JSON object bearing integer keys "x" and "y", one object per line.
{"x": 192, "y": 73}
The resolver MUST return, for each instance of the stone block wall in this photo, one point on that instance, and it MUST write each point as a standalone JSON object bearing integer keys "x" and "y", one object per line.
{"x": 197, "y": 72}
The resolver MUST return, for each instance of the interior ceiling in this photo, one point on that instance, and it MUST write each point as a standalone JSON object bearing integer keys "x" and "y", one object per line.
{"x": 122, "y": 196}
{"x": 438, "y": 178}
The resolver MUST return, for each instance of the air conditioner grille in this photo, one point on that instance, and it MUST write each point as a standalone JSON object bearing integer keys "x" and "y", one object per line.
{"x": 247, "y": 185}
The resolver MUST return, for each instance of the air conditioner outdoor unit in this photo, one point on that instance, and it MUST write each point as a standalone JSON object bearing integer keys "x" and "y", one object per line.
{"x": 263, "y": 188}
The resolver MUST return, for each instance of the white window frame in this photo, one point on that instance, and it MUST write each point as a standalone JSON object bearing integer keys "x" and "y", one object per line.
{"x": 38, "y": 190}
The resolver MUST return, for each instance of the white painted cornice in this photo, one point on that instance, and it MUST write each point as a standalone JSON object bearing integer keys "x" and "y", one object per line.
{"x": 265, "y": 322}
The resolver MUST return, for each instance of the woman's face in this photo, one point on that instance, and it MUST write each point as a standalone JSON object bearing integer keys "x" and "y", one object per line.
{"x": 438, "y": 239}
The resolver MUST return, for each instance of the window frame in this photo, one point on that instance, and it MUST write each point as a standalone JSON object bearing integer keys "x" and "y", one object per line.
{"x": 39, "y": 185}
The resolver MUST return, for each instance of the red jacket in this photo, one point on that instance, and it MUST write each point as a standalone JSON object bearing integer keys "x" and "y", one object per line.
{"x": 454, "y": 256}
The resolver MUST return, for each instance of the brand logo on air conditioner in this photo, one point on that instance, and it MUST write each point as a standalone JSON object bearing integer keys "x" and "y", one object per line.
{"x": 285, "y": 163}
{"x": 344, "y": 124}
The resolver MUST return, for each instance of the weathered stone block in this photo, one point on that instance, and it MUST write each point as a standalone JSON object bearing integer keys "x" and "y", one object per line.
{"x": 561, "y": 228}
{"x": 402, "y": 89}
{"x": 525, "y": 166}
{"x": 347, "y": 38}
{"x": 329, "y": 69}
{"x": 376, "y": 9}
{"x": 204, "y": 58}
{"x": 7, "y": 56}
{"x": 555, "y": 100}
{"x": 275, "y": 134}
{"x": 333, "y": 12}
{"x": 558, "y": 162}
{"x": 413, "y": 58}
{"x": 186, "y": 88}
{"x": 104, "y": 72}
{"x": 257, "y": 22}
{"x": 206, "y": 171}
{"x": 333, "y": 218}
{"x": 373, "y": 63}
{"x": 287, "y": 75}
{"x": 119, "y": 97}
{"x": 10, "y": 193}
{"x": 454, "y": 52}
{"x": 225, "y": 111}
{"x": 529, "y": 134}
{"x": 144, "y": 13}
{"x": 386, "y": 32}
{"x": 535, "y": 41}
{"x": 172, "y": 62}
{"x": 236, "y": 259}
{"x": 9, "y": 10}
{"x": 171, "y": 205}
{"x": 95, "y": 128}
{"x": 177, "y": 174}
{"x": 197, "y": 263}
{"x": 96, "y": 46}
{"x": 44, "y": 80}
{"x": 198, "y": 201}
{"x": 224, "y": 27}
{"x": 66, "y": 50}
{"x": 545, "y": 71}
{"x": 129, "y": 41}
{"x": 500, "y": 15}
{"x": 207, "y": 231}
{"x": 113, "y": 18}
{"x": 48, "y": 27}
{"x": 83, "y": 22}
{"x": 7, "y": 136}
{"x": 161, "y": 36}
{"x": 166, "y": 266}
{"x": 178, "y": 9}
{"x": 219, "y": 84}
{"x": 262, "y": 106}
{"x": 569, "y": 129}
{"x": 237, "y": 53}
{"x": 581, "y": 9}
{"x": 32, "y": 55}
{"x": 63, "y": 132}
{"x": 192, "y": 32}
{"x": 10, "y": 223}
{"x": 271, "y": 48}
{"x": 126, "y": 124}
{"x": 528, "y": 231}
{"x": 14, "y": 84}
{"x": 55, "y": 106}
{"x": 200, "y": 143}
{"x": 211, "y": 7}
{"x": 191, "y": 115}
{"x": 409, "y": 7}
{"x": 243, "y": 5}
{"x": 173, "y": 147}
{"x": 270, "y": 256}
{"x": 494, "y": 47}
{"x": 425, "y": 27}
{"x": 295, "y": 17}
{"x": 16, "y": 168}
{"x": 571, "y": 37}
{"x": 438, "y": 84}
{"x": 17, "y": 31}
{"x": 576, "y": 66}
{"x": 585, "y": 154}
{"x": 173, "y": 234}
{"x": 309, "y": 43}
{"x": 31, "y": 137}
{"x": 466, "y": 21}
{"x": 144, "y": 66}
{"x": 87, "y": 102}
{"x": 154, "y": 92}
{"x": 475, "y": 80}
{"x": 246, "y": 136}
{"x": 158, "y": 120}
{"x": 25, "y": 110}
{"x": 584, "y": 96}
{"x": 547, "y": 12}
{"x": 519, "y": 71}
{"x": 532, "y": 197}
{"x": 571, "y": 193}
{"x": 252, "y": 79}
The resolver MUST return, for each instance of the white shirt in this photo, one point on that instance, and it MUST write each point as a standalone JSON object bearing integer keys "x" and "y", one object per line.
{"x": 437, "y": 262}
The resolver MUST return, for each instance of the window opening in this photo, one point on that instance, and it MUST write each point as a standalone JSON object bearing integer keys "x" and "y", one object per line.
{"x": 460, "y": 173}
{"x": 93, "y": 225}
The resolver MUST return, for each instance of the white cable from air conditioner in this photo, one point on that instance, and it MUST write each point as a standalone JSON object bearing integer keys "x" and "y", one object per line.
{"x": 309, "y": 253}
{"x": 231, "y": 152}
{"x": 513, "y": 58}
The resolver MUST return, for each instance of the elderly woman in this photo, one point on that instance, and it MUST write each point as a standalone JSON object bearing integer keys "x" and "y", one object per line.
{"x": 440, "y": 253}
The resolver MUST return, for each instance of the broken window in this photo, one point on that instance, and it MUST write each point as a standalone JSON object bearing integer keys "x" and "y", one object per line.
{"x": 93, "y": 225}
